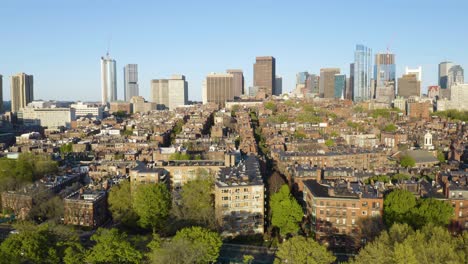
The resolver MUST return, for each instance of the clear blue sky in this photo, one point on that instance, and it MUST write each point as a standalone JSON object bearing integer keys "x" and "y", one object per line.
{"x": 61, "y": 42}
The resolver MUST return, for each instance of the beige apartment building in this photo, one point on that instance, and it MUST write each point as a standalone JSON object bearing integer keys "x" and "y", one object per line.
{"x": 22, "y": 91}
{"x": 240, "y": 199}
{"x": 218, "y": 88}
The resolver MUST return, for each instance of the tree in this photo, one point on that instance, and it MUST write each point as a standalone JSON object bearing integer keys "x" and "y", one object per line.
{"x": 275, "y": 181}
{"x": 121, "y": 206}
{"x": 329, "y": 142}
{"x": 299, "y": 249}
{"x": 196, "y": 203}
{"x": 286, "y": 212}
{"x": 66, "y": 148}
{"x": 398, "y": 206}
{"x": 247, "y": 259}
{"x": 432, "y": 211}
{"x": 441, "y": 156}
{"x": 401, "y": 244}
{"x": 390, "y": 128}
{"x": 112, "y": 247}
{"x": 47, "y": 207}
{"x": 270, "y": 106}
{"x": 32, "y": 244}
{"x": 407, "y": 161}
{"x": 189, "y": 245}
{"x": 152, "y": 203}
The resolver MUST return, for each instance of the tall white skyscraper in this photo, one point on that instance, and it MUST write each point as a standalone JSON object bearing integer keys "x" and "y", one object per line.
{"x": 108, "y": 79}
{"x": 130, "y": 81}
{"x": 362, "y": 73}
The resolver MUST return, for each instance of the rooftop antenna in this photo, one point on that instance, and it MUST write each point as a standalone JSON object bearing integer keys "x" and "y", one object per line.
{"x": 108, "y": 44}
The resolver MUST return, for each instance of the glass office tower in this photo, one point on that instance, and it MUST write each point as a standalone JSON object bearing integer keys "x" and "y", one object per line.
{"x": 362, "y": 73}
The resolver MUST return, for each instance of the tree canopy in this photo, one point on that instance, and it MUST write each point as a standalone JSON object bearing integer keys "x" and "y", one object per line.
{"x": 286, "y": 212}
{"x": 407, "y": 161}
{"x": 397, "y": 207}
{"x": 401, "y": 244}
{"x": 401, "y": 206}
{"x": 196, "y": 204}
{"x": 121, "y": 205}
{"x": 299, "y": 249}
{"x": 152, "y": 203}
{"x": 189, "y": 245}
{"x": 112, "y": 246}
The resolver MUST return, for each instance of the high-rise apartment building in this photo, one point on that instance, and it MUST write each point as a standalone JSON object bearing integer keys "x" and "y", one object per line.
{"x": 362, "y": 73}
{"x": 238, "y": 79}
{"x": 416, "y": 71}
{"x": 278, "y": 85}
{"x": 169, "y": 93}
{"x": 108, "y": 79}
{"x": 409, "y": 85}
{"x": 130, "y": 81}
{"x": 455, "y": 76}
{"x": 265, "y": 73}
{"x": 217, "y": 88}
{"x": 444, "y": 68}
{"x": 327, "y": 82}
{"x": 22, "y": 91}
{"x": 340, "y": 85}
{"x": 1, "y": 93}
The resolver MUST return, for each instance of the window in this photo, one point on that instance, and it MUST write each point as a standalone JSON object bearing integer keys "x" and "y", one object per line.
{"x": 364, "y": 212}
{"x": 328, "y": 219}
{"x": 321, "y": 203}
{"x": 321, "y": 211}
{"x": 460, "y": 214}
{"x": 246, "y": 189}
{"x": 246, "y": 197}
{"x": 344, "y": 204}
{"x": 364, "y": 204}
{"x": 225, "y": 205}
{"x": 344, "y": 221}
{"x": 237, "y": 197}
{"x": 353, "y": 213}
{"x": 237, "y": 190}
{"x": 225, "y": 191}
{"x": 338, "y": 221}
{"x": 353, "y": 221}
{"x": 225, "y": 198}
{"x": 353, "y": 205}
{"x": 328, "y": 211}
{"x": 453, "y": 194}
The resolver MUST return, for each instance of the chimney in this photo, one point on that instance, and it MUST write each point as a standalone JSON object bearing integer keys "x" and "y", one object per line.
{"x": 349, "y": 185}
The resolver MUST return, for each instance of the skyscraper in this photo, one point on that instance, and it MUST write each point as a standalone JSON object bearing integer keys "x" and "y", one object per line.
{"x": 384, "y": 68}
{"x": 312, "y": 84}
{"x": 108, "y": 79}
{"x": 327, "y": 82}
{"x": 444, "y": 68}
{"x": 265, "y": 73}
{"x": 169, "y": 93}
{"x": 238, "y": 79}
{"x": 1, "y": 93}
{"x": 217, "y": 88}
{"x": 22, "y": 91}
{"x": 362, "y": 73}
{"x": 278, "y": 85}
{"x": 455, "y": 76}
{"x": 350, "y": 87}
{"x": 340, "y": 85}
{"x": 130, "y": 81}
{"x": 409, "y": 85}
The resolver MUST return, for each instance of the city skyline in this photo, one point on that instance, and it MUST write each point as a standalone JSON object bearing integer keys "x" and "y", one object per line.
{"x": 57, "y": 35}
